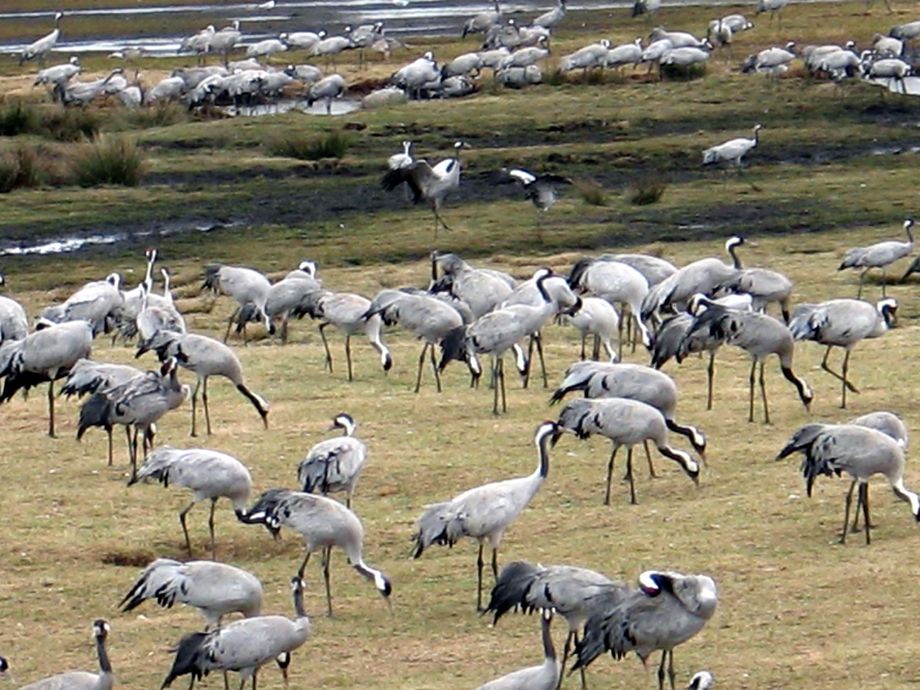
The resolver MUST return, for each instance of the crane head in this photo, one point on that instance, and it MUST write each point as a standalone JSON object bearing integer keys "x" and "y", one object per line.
{"x": 101, "y": 628}
{"x": 701, "y": 681}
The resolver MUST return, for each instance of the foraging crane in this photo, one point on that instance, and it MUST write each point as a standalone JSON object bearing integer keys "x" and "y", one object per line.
{"x": 764, "y": 286}
{"x": 267, "y": 48}
{"x": 57, "y": 76}
{"x": 38, "y": 49}
{"x": 425, "y": 316}
{"x": 687, "y": 56}
{"x": 670, "y": 342}
{"x": 774, "y": 7}
{"x": 625, "y": 54}
{"x": 574, "y": 593}
{"x": 886, "y": 422}
{"x": 654, "y": 269}
{"x": 549, "y": 19}
{"x": 655, "y": 51}
{"x": 225, "y": 40}
{"x": 497, "y": 332}
{"x": 702, "y": 276}
{"x": 329, "y": 47}
{"x": 772, "y": 61}
{"x": 678, "y": 39}
{"x": 87, "y": 377}
{"x": 215, "y": 589}
{"x": 168, "y": 89}
{"x": 485, "y": 512}
{"x": 720, "y": 35}
{"x": 736, "y": 22}
{"x": 859, "y": 451}
{"x": 363, "y": 37}
{"x": 879, "y": 255}
{"x": 44, "y": 356}
{"x": 665, "y": 611}
{"x": 346, "y": 311}
{"x": 199, "y": 43}
{"x": 414, "y": 77}
{"x": 596, "y": 317}
{"x": 323, "y": 524}
{"x": 525, "y": 57}
{"x": 702, "y": 680}
{"x": 431, "y": 184}
{"x": 97, "y": 302}
{"x": 482, "y": 22}
{"x": 286, "y": 297}
{"x": 304, "y": 40}
{"x": 326, "y": 89}
{"x": 633, "y": 381}
{"x": 760, "y": 335}
{"x": 733, "y": 150}
{"x": 83, "y": 680}
{"x": 462, "y": 65}
{"x": 243, "y": 646}
{"x": 14, "y": 324}
{"x": 888, "y": 68}
{"x": 209, "y": 474}
{"x": 589, "y": 57}
{"x": 546, "y": 676}
{"x": 842, "y": 323}
{"x": 335, "y": 464}
{"x": 137, "y": 405}
{"x": 205, "y": 357}
{"x": 483, "y": 289}
{"x": 626, "y": 423}
{"x": 245, "y": 285}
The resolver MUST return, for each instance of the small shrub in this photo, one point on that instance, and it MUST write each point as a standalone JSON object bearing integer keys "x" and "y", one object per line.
{"x": 332, "y": 145}
{"x": 683, "y": 72}
{"x": 592, "y": 192}
{"x": 161, "y": 115}
{"x": 109, "y": 160}
{"x": 554, "y": 77}
{"x": 71, "y": 124}
{"x": 17, "y": 118}
{"x": 19, "y": 168}
{"x": 645, "y": 191}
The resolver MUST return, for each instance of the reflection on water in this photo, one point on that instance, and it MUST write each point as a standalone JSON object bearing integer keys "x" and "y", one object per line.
{"x": 339, "y": 107}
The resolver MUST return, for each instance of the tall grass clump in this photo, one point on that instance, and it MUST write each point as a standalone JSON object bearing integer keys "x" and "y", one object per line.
{"x": 160, "y": 115}
{"x": 645, "y": 191}
{"x": 19, "y": 167}
{"x": 591, "y": 192}
{"x": 109, "y": 159}
{"x": 18, "y": 118}
{"x": 332, "y": 145}
{"x": 71, "y": 124}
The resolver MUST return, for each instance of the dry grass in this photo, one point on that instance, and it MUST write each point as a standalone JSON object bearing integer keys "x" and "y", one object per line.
{"x": 77, "y": 535}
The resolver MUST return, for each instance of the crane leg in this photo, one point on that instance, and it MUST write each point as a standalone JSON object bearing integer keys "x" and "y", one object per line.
{"x": 839, "y": 377}
{"x": 348, "y": 355}
{"x": 846, "y": 369}
{"x": 51, "y": 408}
{"x": 584, "y": 682}
{"x": 664, "y": 656}
{"x": 434, "y": 368}
{"x": 193, "y": 432}
{"x": 862, "y": 275}
{"x": 865, "y": 504}
{"x": 327, "y": 558}
{"x": 204, "y": 403}
{"x": 133, "y": 454}
{"x": 539, "y": 341}
{"x": 526, "y": 375}
{"x": 763, "y": 394}
{"x": 751, "y": 381}
{"x": 322, "y": 333}
{"x": 495, "y": 385}
{"x": 884, "y": 277}
{"x": 188, "y": 542}
{"x": 479, "y": 564}
{"x": 230, "y": 323}
{"x": 584, "y": 339}
{"x": 610, "y": 474}
{"x": 303, "y": 566}
{"x": 630, "y": 476}
{"x": 846, "y": 514}
{"x": 710, "y": 375}
{"x": 565, "y": 655}
{"x": 648, "y": 457}
{"x": 671, "y": 667}
{"x": 284, "y": 330}
{"x": 501, "y": 380}
{"x": 211, "y": 528}
{"x": 596, "y": 350}
{"x": 108, "y": 432}
{"x": 495, "y": 563}
{"x": 421, "y": 363}
{"x": 620, "y": 335}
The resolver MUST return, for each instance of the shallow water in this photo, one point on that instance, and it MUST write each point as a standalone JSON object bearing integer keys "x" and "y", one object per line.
{"x": 339, "y": 107}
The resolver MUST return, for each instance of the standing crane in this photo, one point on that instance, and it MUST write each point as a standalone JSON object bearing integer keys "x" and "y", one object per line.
{"x": 334, "y": 464}
{"x": 546, "y": 676}
{"x": 733, "y": 150}
{"x": 879, "y": 255}
{"x": 84, "y": 680}
{"x": 485, "y": 512}
{"x": 40, "y": 48}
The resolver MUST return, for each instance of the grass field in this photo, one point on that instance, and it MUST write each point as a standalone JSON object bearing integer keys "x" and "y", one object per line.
{"x": 796, "y": 609}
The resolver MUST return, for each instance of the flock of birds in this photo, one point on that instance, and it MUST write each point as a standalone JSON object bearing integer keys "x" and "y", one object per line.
{"x": 513, "y": 51}
{"x": 466, "y": 313}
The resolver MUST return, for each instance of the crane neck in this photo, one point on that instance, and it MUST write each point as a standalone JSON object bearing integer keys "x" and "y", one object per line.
{"x": 733, "y": 252}
{"x": 298, "y": 601}
{"x": 549, "y": 650}
{"x": 104, "y": 664}
{"x": 543, "y": 456}
{"x": 756, "y": 136}
{"x": 910, "y": 234}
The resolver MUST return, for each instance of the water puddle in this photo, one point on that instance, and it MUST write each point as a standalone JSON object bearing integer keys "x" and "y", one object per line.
{"x": 339, "y": 107}
{"x": 911, "y": 85}
{"x": 73, "y": 243}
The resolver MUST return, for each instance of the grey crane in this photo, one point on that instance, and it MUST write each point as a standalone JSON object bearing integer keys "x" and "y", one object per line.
{"x": 42, "y": 357}
{"x": 760, "y": 335}
{"x": 84, "y": 680}
{"x": 574, "y": 593}
{"x": 541, "y": 190}
{"x": 525, "y": 57}
{"x": 771, "y": 61}
{"x": 879, "y": 255}
{"x": 323, "y": 524}
{"x": 346, "y": 311}
{"x": 465, "y": 64}
{"x": 133, "y": 299}
{"x": 633, "y": 381}
{"x": 87, "y": 377}
{"x": 702, "y": 680}
{"x": 208, "y": 474}
{"x": 304, "y": 40}
{"x": 886, "y": 422}
{"x": 416, "y": 77}
{"x": 626, "y": 423}
{"x": 14, "y": 324}
{"x": 774, "y": 7}
{"x": 158, "y": 313}
{"x": 198, "y": 43}
{"x": 586, "y": 58}
{"x": 859, "y": 451}
{"x": 245, "y": 285}
{"x": 425, "y": 316}
{"x": 486, "y": 512}
{"x": 326, "y": 89}
{"x": 483, "y": 289}
{"x": 401, "y": 160}
{"x": 764, "y": 286}
{"x": 733, "y": 150}
{"x": 842, "y": 323}
{"x": 96, "y": 302}
{"x": 39, "y": 48}
{"x": 225, "y": 40}
{"x": 549, "y": 19}
{"x": 546, "y": 676}
{"x": 243, "y": 646}
{"x": 428, "y": 183}
{"x": 292, "y": 294}
{"x": 215, "y": 589}
{"x": 672, "y": 342}
{"x": 205, "y": 357}
{"x": 329, "y": 47}
{"x": 57, "y": 76}
{"x": 335, "y": 464}
{"x": 482, "y": 22}
{"x": 665, "y": 611}
{"x": 495, "y": 333}
{"x": 653, "y": 268}
{"x": 137, "y": 405}
{"x": 596, "y": 317}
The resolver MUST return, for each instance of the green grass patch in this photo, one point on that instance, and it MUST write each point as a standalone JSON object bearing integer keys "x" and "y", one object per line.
{"x": 310, "y": 148}
{"x": 109, "y": 160}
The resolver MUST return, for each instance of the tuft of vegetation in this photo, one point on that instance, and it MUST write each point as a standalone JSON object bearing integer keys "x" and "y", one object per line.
{"x": 19, "y": 168}
{"x": 18, "y": 118}
{"x": 683, "y": 72}
{"x": 110, "y": 159}
{"x": 161, "y": 115}
{"x": 592, "y": 192}
{"x": 70, "y": 124}
{"x": 290, "y": 145}
{"x": 645, "y": 191}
